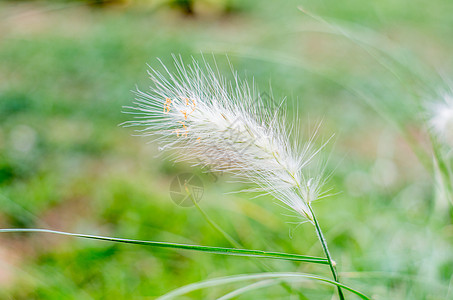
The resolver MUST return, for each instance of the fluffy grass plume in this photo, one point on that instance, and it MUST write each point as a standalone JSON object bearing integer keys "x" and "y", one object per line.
{"x": 211, "y": 121}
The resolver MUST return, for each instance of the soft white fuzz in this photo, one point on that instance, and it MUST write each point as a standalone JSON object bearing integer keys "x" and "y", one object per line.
{"x": 204, "y": 119}
{"x": 441, "y": 121}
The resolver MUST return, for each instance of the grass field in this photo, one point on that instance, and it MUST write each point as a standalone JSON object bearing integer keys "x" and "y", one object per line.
{"x": 66, "y": 70}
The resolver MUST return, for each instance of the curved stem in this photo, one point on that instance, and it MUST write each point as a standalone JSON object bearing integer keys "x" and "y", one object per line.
{"x": 326, "y": 251}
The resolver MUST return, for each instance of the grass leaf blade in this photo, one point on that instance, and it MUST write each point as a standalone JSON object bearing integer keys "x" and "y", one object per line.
{"x": 269, "y": 275}
{"x": 207, "y": 249}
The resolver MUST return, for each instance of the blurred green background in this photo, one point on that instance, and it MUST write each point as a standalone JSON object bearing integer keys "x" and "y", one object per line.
{"x": 68, "y": 67}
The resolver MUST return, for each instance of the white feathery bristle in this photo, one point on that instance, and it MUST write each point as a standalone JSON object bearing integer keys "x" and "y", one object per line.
{"x": 205, "y": 119}
{"x": 441, "y": 121}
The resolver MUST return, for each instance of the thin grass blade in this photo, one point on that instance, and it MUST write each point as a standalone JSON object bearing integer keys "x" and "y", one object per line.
{"x": 270, "y": 275}
{"x": 207, "y": 249}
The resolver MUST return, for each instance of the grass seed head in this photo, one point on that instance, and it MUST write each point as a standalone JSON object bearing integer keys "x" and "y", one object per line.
{"x": 201, "y": 117}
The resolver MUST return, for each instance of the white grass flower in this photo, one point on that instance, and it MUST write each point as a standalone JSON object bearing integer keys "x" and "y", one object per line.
{"x": 211, "y": 121}
{"x": 441, "y": 121}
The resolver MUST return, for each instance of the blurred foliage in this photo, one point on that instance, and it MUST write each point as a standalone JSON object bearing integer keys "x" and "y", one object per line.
{"x": 67, "y": 69}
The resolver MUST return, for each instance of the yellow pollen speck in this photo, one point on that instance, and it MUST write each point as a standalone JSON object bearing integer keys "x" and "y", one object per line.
{"x": 176, "y": 131}
{"x": 167, "y": 105}
{"x": 182, "y": 132}
{"x": 193, "y": 105}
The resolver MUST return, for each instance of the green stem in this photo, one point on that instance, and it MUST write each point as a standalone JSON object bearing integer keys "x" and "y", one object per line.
{"x": 319, "y": 233}
{"x": 326, "y": 251}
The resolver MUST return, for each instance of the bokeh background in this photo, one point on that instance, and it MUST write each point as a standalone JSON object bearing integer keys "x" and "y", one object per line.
{"x": 68, "y": 67}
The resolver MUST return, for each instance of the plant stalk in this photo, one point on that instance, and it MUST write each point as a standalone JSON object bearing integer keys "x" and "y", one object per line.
{"x": 326, "y": 251}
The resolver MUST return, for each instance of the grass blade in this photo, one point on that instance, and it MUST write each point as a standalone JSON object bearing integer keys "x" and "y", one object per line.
{"x": 271, "y": 275}
{"x": 207, "y": 249}
{"x": 250, "y": 287}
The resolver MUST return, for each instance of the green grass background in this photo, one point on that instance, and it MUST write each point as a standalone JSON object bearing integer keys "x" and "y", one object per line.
{"x": 66, "y": 70}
